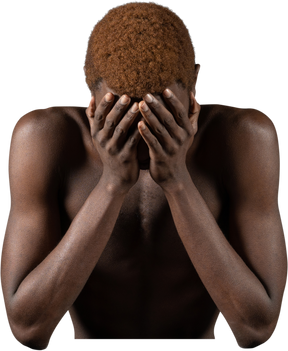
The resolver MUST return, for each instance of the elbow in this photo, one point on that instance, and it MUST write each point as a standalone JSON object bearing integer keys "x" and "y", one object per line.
{"x": 31, "y": 340}
{"x": 30, "y": 336}
{"x": 248, "y": 342}
{"x": 250, "y": 336}
{"x": 255, "y": 340}
{"x": 251, "y": 341}
{"x": 264, "y": 335}
{"x": 31, "y": 328}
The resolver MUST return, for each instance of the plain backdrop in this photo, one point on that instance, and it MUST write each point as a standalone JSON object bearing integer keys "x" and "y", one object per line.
{"x": 242, "y": 49}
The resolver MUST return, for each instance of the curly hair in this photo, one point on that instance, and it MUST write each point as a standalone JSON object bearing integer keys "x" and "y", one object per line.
{"x": 139, "y": 48}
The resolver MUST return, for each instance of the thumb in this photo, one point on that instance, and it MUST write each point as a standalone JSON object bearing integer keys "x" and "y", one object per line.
{"x": 90, "y": 110}
{"x": 194, "y": 111}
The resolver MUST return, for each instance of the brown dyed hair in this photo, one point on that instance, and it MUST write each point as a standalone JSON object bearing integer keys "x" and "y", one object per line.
{"x": 139, "y": 48}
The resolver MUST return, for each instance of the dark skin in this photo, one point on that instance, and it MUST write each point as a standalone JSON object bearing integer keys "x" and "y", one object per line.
{"x": 144, "y": 219}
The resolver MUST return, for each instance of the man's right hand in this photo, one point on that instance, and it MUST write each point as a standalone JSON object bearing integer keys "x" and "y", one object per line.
{"x": 117, "y": 149}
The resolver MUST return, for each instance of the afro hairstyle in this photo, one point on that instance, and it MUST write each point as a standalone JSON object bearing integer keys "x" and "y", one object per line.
{"x": 139, "y": 48}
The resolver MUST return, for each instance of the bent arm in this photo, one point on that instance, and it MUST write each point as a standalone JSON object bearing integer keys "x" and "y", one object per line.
{"x": 42, "y": 274}
{"x": 246, "y": 276}
{"x": 50, "y": 288}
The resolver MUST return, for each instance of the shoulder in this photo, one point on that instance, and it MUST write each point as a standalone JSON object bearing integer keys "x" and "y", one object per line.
{"x": 53, "y": 128}
{"x": 249, "y": 154}
{"x": 237, "y": 119}
{"x": 53, "y": 122}
{"x": 237, "y": 128}
{"x": 43, "y": 143}
{"x": 243, "y": 145}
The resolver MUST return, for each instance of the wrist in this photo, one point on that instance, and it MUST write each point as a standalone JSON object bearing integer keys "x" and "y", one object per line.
{"x": 178, "y": 184}
{"x": 113, "y": 186}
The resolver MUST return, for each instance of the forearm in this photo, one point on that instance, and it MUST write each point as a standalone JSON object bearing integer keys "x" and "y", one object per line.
{"x": 51, "y": 288}
{"x": 234, "y": 288}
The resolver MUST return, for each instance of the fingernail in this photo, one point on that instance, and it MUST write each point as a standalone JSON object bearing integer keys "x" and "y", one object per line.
{"x": 167, "y": 93}
{"x": 124, "y": 100}
{"x": 144, "y": 106}
{"x": 135, "y": 107}
{"x": 108, "y": 97}
{"x": 148, "y": 98}
{"x": 142, "y": 125}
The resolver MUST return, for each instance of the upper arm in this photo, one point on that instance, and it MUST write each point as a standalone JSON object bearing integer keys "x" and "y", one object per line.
{"x": 251, "y": 178}
{"x": 33, "y": 228}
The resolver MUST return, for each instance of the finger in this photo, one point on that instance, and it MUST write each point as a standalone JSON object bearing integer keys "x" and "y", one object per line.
{"x": 115, "y": 115}
{"x": 163, "y": 115}
{"x": 179, "y": 111}
{"x": 100, "y": 113}
{"x": 151, "y": 141}
{"x": 195, "y": 106}
{"x": 133, "y": 140}
{"x": 156, "y": 126}
{"x": 90, "y": 110}
{"x": 120, "y": 132}
{"x": 194, "y": 112}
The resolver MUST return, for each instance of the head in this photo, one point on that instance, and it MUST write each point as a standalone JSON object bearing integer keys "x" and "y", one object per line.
{"x": 140, "y": 48}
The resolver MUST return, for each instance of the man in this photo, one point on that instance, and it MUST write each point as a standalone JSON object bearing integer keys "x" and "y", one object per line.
{"x": 146, "y": 215}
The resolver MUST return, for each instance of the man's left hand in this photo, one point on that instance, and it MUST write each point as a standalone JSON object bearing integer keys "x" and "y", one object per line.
{"x": 168, "y": 136}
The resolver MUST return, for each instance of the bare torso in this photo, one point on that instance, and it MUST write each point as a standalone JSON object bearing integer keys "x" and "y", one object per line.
{"x": 144, "y": 285}
{"x": 128, "y": 255}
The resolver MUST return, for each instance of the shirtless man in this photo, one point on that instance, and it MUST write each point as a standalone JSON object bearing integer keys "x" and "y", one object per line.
{"x": 144, "y": 215}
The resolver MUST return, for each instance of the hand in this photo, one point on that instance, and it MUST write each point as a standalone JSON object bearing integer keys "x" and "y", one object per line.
{"x": 169, "y": 136}
{"x": 117, "y": 148}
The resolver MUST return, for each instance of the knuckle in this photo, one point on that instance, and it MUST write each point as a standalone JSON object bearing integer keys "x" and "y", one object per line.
{"x": 94, "y": 135}
{"x": 111, "y": 150}
{"x": 130, "y": 115}
{"x": 109, "y": 123}
{"x": 104, "y": 104}
{"x": 180, "y": 111}
{"x": 159, "y": 129}
{"x": 168, "y": 121}
{"x": 172, "y": 150}
{"x": 119, "y": 107}
{"x": 102, "y": 143}
{"x": 181, "y": 139}
{"x": 132, "y": 141}
{"x": 101, "y": 140}
{"x": 181, "y": 114}
{"x": 119, "y": 130}
{"x": 100, "y": 111}
{"x": 123, "y": 157}
{"x": 173, "y": 147}
{"x": 154, "y": 142}
{"x": 190, "y": 131}
{"x": 99, "y": 116}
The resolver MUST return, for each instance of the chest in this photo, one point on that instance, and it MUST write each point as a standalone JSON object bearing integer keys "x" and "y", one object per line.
{"x": 145, "y": 225}
{"x": 144, "y": 271}
{"x": 145, "y": 199}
